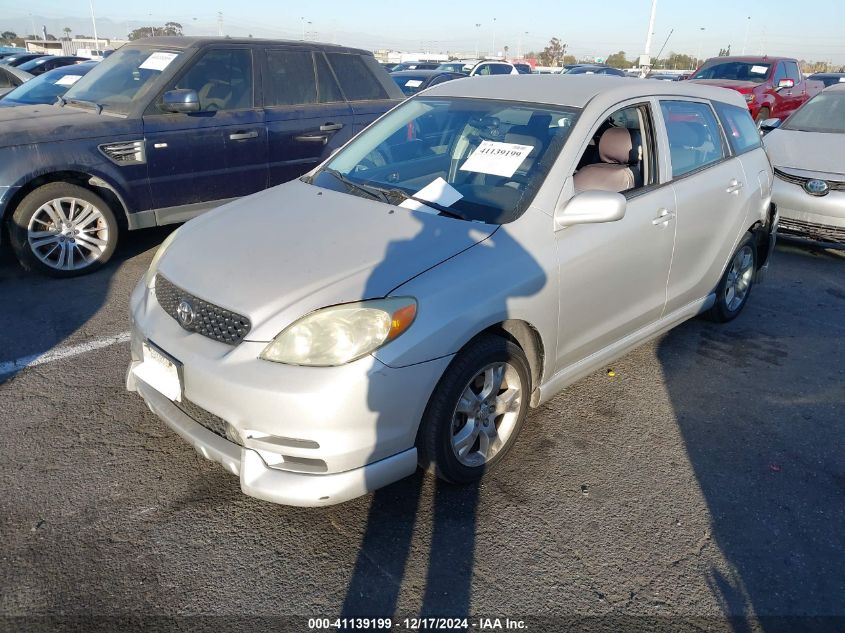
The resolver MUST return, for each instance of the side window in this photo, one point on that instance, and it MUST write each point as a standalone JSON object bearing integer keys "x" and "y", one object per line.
{"x": 439, "y": 79}
{"x": 621, "y": 155}
{"x": 356, "y": 79}
{"x": 499, "y": 69}
{"x": 291, "y": 78}
{"x": 222, "y": 79}
{"x": 792, "y": 72}
{"x": 327, "y": 89}
{"x": 694, "y": 138}
{"x": 780, "y": 73}
{"x": 484, "y": 69}
{"x": 4, "y": 79}
{"x": 739, "y": 126}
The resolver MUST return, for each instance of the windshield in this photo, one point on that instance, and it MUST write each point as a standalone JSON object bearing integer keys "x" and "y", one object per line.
{"x": 117, "y": 80}
{"x": 47, "y": 87}
{"x": 409, "y": 84}
{"x": 475, "y": 159}
{"x": 823, "y": 113}
{"x": 735, "y": 71}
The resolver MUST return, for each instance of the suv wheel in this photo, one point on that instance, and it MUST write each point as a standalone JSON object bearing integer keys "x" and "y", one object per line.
{"x": 63, "y": 230}
{"x": 476, "y": 410}
{"x": 735, "y": 286}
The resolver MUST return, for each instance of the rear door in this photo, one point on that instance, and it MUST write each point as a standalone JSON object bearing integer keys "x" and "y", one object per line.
{"x": 307, "y": 116}
{"x": 711, "y": 190}
{"x": 217, "y": 153}
{"x": 367, "y": 87}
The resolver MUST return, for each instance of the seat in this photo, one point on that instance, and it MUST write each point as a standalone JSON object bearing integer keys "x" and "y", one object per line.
{"x": 620, "y": 151}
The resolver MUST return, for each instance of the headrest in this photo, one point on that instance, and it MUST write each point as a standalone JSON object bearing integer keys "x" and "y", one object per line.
{"x": 616, "y": 145}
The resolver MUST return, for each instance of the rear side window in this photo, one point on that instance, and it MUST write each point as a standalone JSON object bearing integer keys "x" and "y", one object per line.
{"x": 4, "y": 79}
{"x": 291, "y": 78}
{"x": 327, "y": 88}
{"x": 738, "y": 125}
{"x": 694, "y": 137}
{"x": 355, "y": 77}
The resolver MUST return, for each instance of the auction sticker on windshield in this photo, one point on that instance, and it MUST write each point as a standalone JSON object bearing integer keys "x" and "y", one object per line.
{"x": 158, "y": 61}
{"x": 68, "y": 80}
{"x": 759, "y": 70}
{"x": 413, "y": 83}
{"x": 498, "y": 159}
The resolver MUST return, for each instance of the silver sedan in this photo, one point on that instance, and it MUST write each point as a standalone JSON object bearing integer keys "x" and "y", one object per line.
{"x": 808, "y": 154}
{"x": 476, "y": 250}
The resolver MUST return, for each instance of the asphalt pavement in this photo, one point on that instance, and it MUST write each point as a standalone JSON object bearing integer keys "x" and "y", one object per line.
{"x": 699, "y": 487}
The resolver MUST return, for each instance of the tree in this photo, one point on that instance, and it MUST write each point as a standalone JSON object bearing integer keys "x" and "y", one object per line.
{"x": 569, "y": 59}
{"x": 170, "y": 28}
{"x": 67, "y": 31}
{"x": 618, "y": 60}
{"x": 677, "y": 61}
{"x": 553, "y": 54}
{"x": 725, "y": 52}
{"x": 52, "y": 38}
{"x": 8, "y": 36}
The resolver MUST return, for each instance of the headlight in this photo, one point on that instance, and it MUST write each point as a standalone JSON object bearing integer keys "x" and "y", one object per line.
{"x": 149, "y": 278}
{"x": 749, "y": 98}
{"x": 340, "y": 334}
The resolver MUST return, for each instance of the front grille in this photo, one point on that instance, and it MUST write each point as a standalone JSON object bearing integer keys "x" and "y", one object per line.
{"x": 215, "y": 424}
{"x": 821, "y": 232}
{"x": 834, "y": 185}
{"x": 207, "y": 319}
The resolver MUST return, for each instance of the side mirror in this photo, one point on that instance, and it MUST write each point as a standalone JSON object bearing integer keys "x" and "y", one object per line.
{"x": 591, "y": 207}
{"x": 182, "y": 100}
{"x": 769, "y": 124}
{"x": 785, "y": 83}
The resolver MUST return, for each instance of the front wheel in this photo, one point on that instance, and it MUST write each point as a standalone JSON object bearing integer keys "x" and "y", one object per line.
{"x": 735, "y": 286}
{"x": 476, "y": 411}
{"x": 63, "y": 230}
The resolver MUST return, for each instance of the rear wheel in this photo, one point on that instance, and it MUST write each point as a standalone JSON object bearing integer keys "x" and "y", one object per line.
{"x": 735, "y": 286}
{"x": 476, "y": 411}
{"x": 63, "y": 230}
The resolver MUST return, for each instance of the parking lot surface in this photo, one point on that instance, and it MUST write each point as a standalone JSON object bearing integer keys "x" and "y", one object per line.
{"x": 704, "y": 478}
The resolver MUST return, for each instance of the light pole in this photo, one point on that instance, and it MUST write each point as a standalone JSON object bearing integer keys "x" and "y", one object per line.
{"x": 94, "y": 22}
{"x": 644, "y": 68}
{"x": 747, "y": 29}
{"x": 493, "y": 40}
{"x": 519, "y": 51}
{"x": 477, "y": 27}
{"x": 698, "y": 57}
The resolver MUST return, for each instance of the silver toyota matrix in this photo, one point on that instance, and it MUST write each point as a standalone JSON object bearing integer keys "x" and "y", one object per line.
{"x": 477, "y": 249}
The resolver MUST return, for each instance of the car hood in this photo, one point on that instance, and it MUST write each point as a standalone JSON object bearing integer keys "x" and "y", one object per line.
{"x": 807, "y": 151}
{"x": 733, "y": 84}
{"x": 28, "y": 124}
{"x": 282, "y": 253}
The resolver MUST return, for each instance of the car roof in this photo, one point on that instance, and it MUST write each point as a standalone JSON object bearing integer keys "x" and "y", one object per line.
{"x": 750, "y": 58}
{"x": 839, "y": 87}
{"x": 422, "y": 72}
{"x": 828, "y": 75}
{"x": 578, "y": 90}
{"x": 186, "y": 42}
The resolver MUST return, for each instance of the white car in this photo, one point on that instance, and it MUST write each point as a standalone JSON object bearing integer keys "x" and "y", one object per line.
{"x": 493, "y": 68}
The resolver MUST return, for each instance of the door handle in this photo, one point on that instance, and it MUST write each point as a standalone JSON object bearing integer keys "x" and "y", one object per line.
{"x": 242, "y": 136}
{"x": 312, "y": 138}
{"x": 734, "y": 186}
{"x": 664, "y": 218}
{"x": 331, "y": 127}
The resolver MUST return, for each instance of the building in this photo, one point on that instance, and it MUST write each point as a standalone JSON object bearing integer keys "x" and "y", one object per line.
{"x": 72, "y": 46}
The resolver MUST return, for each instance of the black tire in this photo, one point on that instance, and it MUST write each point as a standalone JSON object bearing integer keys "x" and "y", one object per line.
{"x": 105, "y": 230}
{"x": 434, "y": 438}
{"x": 762, "y": 115}
{"x": 723, "y": 310}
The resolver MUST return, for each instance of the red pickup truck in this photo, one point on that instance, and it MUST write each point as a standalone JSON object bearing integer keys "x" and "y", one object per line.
{"x": 772, "y": 86}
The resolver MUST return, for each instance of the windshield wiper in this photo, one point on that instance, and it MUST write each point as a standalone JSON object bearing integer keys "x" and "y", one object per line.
{"x": 97, "y": 106}
{"x": 374, "y": 193}
{"x": 61, "y": 101}
{"x": 433, "y": 205}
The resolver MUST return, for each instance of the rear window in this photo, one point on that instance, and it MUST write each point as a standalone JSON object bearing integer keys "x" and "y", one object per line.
{"x": 291, "y": 78}
{"x": 357, "y": 80}
{"x": 740, "y": 128}
{"x": 409, "y": 84}
{"x": 735, "y": 71}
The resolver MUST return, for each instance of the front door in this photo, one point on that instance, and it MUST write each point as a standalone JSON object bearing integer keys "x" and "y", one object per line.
{"x": 711, "y": 191}
{"x": 307, "y": 116}
{"x": 217, "y": 153}
{"x": 613, "y": 275}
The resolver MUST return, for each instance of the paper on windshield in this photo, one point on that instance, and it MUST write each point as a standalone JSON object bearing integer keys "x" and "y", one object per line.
{"x": 759, "y": 70}
{"x": 68, "y": 80}
{"x": 438, "y": 191}
{"x": 842, "y": 80}
{"x": 158, "y": 61}
{"x": 498, "y": 159}
{"x": 413, "y": 83}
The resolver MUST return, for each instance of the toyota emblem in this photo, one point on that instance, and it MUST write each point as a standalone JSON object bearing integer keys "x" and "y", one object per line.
{"x": 816, "y": 187}
{"x": 185, "y": 313}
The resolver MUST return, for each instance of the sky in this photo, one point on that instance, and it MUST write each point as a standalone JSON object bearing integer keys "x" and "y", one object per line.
{"x": 810, "y": 30}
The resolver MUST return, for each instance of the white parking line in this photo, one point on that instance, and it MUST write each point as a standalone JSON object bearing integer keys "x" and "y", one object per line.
{"x": 11, "y": 366}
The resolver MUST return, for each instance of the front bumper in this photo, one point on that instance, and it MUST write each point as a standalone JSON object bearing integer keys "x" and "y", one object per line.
{"x": 818, "y": 217}
{"x": 304, "y": 436}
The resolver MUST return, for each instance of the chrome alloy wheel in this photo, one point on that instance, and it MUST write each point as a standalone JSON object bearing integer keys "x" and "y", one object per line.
{"x": 68, "y": 233}
{"x": 486, "y": 414}
{"x": 739, "y": 278}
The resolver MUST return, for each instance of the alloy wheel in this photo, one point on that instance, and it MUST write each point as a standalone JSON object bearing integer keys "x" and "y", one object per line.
{"x": 68, "y": 233}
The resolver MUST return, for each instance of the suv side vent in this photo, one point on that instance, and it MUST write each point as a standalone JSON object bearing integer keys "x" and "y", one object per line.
{"x": 128, "y": 153}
